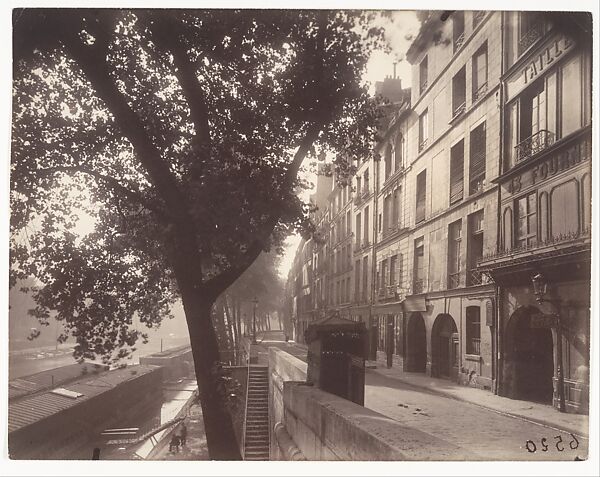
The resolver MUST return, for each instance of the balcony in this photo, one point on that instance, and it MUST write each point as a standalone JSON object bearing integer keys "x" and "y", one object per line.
{"x": 453, "y": 280}
{"x": 418, "y": 286}
{"x": 480, "y": 92}
{"x": 390, "y": 291}
{"x": 460, "y": 109}
{"x": 391, "y": 229}
{"x": 458, "y": 42}
{"x": 478, "y": 17}
{"x": 534, "y": 144}
{"x": 422, "y": 144}
{"x": 564, "y": 245}
{"x": 535, "y": 32}
{"x": 422, "y": 86}
{"x": 381, "y": 292}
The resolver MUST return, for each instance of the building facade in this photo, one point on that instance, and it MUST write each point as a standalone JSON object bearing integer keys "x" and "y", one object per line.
{"x": 481, "y": 181}
{"x": 545, "y": 210}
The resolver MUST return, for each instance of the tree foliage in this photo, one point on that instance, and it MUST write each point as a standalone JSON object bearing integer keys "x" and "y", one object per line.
{"x": 178, "y": 135}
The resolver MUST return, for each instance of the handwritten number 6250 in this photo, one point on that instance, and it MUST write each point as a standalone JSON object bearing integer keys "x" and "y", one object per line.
{"x": 560, "y": 446}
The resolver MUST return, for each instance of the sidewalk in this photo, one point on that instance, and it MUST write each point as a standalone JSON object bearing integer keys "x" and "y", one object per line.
{"x": 195, "y": 448}
{"x": 539, "y": 413}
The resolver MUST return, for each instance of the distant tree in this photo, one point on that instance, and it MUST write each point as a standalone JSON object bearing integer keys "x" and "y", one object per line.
{"x": 181, "y": 134}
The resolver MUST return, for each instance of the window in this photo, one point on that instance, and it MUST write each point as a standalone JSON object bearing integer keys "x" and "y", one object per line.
{"x": 458, "y": 30}
{"x": 459, "y": 93}
{"x": 478, "y": 16}
{"x": 418, "y": 271}
{"x": 388, "y": 161}
{"x": 386, "y": 215}
{"x": 457, "y": 174}
{"x": 358, "y": 230}
{"x": 477, "y": 159}
{"x": 480, "y": 73}
{"x": 421, "y": 197}
{"x": 531, "y": 28}
{"x": 393, "y": 262}
{"x": 534, "y": 119}
{"x": 366, "y": 181}
{"x": 358, "y": 186}
{"x": 357, "y": 281}
{"x": 423, "y": 131}
{"x": 454, "y": 255}
{"x": 347, "y": 290}
{"x": 383, "y": 276}
{"x": 366, "y": 231}
{"x": 423, "y": 75}
{"x": 564, "y": 208}
{"x": 399, "y": 152}
{"x": 365, "y": 278}
{"x": 348, "y": 223}
{"x": 526, "y": 221}
{"x": 473, "y": 330}
{"x": 396, "y": 208}
{"x": 475, "y": 248}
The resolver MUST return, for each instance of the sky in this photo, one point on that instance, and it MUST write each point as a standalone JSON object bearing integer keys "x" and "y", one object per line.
{"x": 400, "y": 29}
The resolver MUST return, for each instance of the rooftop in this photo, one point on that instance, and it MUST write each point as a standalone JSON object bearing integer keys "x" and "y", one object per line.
{"x": 33, "y": 408}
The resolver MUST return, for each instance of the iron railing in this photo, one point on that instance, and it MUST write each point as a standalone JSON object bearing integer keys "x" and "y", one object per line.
{"x": 418, "y": 286}
{"x": 422, "y": 86}
{"x": 534, "y": 144}
{"x": 458, "y": 42}
{"x": 460, "y": 109}
{"x": 531, "y": 36}
{"x": 474, "y": 277}
{"x": 477, "y": 17}
{"x": 480, "y": 92}
{"x": 453, "y": 280}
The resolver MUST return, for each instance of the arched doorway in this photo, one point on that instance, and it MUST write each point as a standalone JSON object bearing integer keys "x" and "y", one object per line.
{"x": 529, "y": 364}
{"x": 416, "y": 344}
{"x": 444, "y": 347}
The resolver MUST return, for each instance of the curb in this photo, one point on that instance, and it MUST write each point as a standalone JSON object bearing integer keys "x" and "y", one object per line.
{"x": 576, "y": 432}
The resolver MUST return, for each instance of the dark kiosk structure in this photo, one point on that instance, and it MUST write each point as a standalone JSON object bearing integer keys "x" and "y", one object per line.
{"x": 336, "y": 356}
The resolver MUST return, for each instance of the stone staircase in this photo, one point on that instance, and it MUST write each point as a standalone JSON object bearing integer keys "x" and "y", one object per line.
{"x": 256, "y": 439}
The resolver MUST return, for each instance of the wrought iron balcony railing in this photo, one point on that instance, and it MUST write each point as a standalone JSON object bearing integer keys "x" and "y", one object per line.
{"x": 422, "y": 86}
{"x": 531, "y": 36}
{"x": 418, "y": 286}
{"x": 474, "y": 277}
{"x": 534, "y": 144}
{"x": 480, "y": 92}
{"x": 477, "y": 17}
{"x": 453, "y": 280}
{"x": 422, "y": 145}
{"x": 458, "y": 42}
{"x": 460, "y": 109}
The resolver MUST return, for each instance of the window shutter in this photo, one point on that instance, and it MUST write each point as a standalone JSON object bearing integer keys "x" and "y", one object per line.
{"x": 477, "y": 159}
{"x": 456, "y": 172}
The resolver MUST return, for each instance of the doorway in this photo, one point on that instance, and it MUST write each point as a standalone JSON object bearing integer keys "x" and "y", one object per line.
{"x": 444, "y": 347}
{"x": 416, "y": 344}
{"x": 530, "y": 358}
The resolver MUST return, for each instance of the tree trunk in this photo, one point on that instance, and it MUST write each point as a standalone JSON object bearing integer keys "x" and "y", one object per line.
{"x": 218, "y": 425}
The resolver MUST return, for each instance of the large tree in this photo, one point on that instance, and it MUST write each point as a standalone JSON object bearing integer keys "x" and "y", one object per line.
{"x": 179, "y": 136}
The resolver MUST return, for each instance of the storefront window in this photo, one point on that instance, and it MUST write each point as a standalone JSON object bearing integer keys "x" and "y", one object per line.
{"x": 526, "y": 220}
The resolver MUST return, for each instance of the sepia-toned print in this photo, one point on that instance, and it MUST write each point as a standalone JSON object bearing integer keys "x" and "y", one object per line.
{"x": 300, "y": 235}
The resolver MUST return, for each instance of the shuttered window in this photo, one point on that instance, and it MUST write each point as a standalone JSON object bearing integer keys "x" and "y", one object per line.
{"x": 477, "y": 159}
{"x": 457, "y": 172}
{"x": 421, "y": 195}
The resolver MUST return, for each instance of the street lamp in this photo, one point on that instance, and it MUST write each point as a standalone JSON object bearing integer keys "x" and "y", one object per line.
{"x": 255, "y": 301}
{"x": 540, "y": 288}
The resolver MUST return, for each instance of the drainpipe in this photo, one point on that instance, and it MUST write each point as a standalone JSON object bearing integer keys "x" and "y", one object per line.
{"x": 498, "y": 335}
{"x": 374, "y": 252}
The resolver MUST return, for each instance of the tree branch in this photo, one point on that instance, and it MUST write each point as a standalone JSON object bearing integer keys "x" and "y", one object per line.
{"x": 222, "y": 281}
{"x": 111, "y": 182}
{"x": 164, "y": 33}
